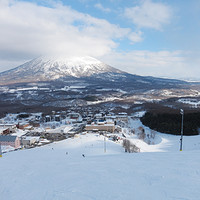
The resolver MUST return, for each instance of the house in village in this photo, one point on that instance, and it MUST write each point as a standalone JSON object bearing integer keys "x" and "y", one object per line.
{"x": 4, "y": 131}
{"x": 7, "y": 128}
{"x": 122, "y": 117}
{"x": 101, "y": 126}
{"x": 47, "y": 118}
{"x": 9, "y": 140}
{"x": 74, "y": 117}
{"x": 57, "y": 118}
{"x": 27, "y": 141}
{"x": 24, "y": 125}
{"x": 110, "y": 118}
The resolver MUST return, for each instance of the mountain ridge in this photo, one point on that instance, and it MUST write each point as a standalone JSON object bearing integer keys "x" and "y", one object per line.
{"x": 55, "y": 68}
{"x": 52, "y": 68}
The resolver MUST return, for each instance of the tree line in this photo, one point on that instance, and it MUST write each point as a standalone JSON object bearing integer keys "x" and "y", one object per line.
{"x": 171, "y": 123}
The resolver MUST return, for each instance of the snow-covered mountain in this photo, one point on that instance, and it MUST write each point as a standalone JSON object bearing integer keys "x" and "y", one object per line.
{"x": 52, "y": 68}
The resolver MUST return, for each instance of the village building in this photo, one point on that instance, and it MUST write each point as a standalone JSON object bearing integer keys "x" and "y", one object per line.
{"x": 29, "y": 140}
{"x": 75, "y": 117}
{"x": 4, "y": 131}
{"x": 57, "y": 118}
{"x": 37, "y": 116}
{"x": 98, "y": 116}
{"x": 110, "y": 118}
{"x": 9, "y": 140}
{"x": 47, "y": 118}
{"x": 35, "y": 124}
{"x": 101, "y": 126}
{"x": 11, "y": 126}
{"x": 8, "y": 127}
{"x": 23, "y": 125}
{"x": 122, "y": 117}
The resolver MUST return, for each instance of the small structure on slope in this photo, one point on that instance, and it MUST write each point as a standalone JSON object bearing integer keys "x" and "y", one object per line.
{"x": 9, "y": 140}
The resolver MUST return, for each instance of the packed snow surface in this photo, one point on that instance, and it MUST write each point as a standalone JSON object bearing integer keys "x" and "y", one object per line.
{"x": 59, "y": 171}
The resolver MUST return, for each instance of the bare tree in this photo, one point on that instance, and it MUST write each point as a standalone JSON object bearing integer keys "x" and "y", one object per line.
{"x": 133, "y": 131}
{"x": 130, "y": 147}
{"x": 153, "y": 134}
{"x": 126, "y": 145}
{"x": 141, "y": 133}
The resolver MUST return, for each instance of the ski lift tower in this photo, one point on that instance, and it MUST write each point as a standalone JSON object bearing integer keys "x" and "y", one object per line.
{"x": 181, "y": 140}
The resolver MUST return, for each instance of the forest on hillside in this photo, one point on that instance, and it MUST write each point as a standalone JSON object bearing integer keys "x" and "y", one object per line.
{"x": 171, "y": 123}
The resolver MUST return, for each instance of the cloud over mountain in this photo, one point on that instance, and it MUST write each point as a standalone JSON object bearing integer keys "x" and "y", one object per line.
{"x": 29, "y": 30}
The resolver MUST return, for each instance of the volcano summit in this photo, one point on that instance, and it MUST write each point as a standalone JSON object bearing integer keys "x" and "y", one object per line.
{"x": 52, "y": 68}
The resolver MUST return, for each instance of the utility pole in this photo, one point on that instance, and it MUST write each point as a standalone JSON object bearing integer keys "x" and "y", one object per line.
{"x": 104, "y": 144}
{"x": 181, "y": 140}
{"x": 0, "y": 151}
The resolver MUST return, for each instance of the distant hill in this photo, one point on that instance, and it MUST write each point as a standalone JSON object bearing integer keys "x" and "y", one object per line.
{"x": 85, "y": 69}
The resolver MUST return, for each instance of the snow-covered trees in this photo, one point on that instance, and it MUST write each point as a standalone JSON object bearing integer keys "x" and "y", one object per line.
{"x": 130, "y": 147}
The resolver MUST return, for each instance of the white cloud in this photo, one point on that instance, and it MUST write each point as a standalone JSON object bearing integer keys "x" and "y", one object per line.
{"x": 175, "y": 64}
{"x": 29, "y": 30}
{"x": 149, "y": 14}
{"x": 100, "y": 7}
{"x": 136, "y": 37}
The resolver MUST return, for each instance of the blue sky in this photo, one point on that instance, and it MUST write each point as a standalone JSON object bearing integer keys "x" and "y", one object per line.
{"x": 145, "y": 37}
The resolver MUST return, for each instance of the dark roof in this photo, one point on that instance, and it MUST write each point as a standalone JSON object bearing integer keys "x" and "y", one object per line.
{"x": 7, "y": 138}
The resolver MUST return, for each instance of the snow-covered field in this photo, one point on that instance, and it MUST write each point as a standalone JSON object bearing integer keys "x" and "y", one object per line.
{"x": 58, "y": 171}
{"x": 162, "y": 142}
